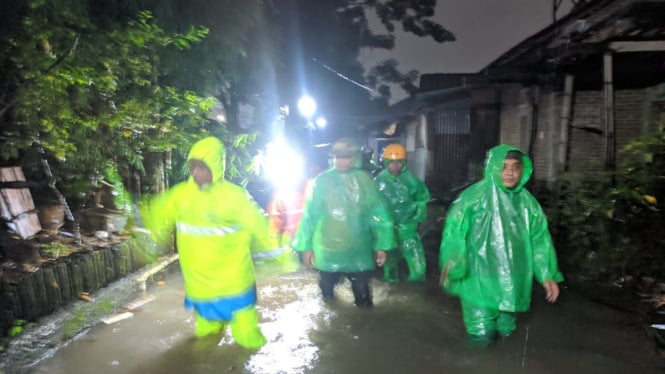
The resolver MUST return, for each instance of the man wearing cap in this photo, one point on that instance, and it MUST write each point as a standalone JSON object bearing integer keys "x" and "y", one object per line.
{"x": 346, "y": 227}
{"x": 495, "y": 241}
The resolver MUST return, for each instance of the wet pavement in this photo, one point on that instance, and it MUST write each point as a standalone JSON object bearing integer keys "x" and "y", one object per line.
{"x": 413, "y": 328}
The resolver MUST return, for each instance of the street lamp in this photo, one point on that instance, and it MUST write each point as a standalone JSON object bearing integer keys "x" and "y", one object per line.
{"x": 321, "y": 122}
{"x": 307, "y": 106}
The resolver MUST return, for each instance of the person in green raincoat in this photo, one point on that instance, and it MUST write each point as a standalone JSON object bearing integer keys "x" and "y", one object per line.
{"x": 407, "y": 196}
{"x": 495, "y": 241}
{"x": 346, "y": 227}
{"x": 216, "y": 225}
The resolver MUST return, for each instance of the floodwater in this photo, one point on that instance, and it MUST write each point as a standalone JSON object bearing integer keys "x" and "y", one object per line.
{"x": 413, "y": 328}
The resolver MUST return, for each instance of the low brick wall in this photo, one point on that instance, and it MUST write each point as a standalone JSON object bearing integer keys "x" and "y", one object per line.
{"x": 57, "y": 283}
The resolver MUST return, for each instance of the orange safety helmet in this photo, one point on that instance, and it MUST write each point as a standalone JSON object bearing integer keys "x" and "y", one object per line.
{"x": 394, "y": 151}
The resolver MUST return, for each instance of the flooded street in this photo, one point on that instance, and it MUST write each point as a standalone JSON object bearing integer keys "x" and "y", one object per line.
{"x": 413, "y": 328}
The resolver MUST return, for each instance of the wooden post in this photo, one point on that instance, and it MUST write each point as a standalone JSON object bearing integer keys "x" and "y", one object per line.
{"x": 610, "y": 142}
{"x": 566, "y": 118}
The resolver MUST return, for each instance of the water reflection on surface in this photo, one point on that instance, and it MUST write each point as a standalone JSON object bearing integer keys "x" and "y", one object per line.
{"x": 413, "y": 328}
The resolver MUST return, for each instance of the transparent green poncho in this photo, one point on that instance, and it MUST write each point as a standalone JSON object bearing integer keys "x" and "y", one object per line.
{"x": 407, "y": 196}
{"x": 495, "y": 241}
{"x": 344, "y": 222}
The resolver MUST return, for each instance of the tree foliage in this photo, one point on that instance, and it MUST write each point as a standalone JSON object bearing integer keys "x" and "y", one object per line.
{"x": 322, "y": 41}
{"x": 92, "y": 96}
{"x": 116, "y": 83}
{"x": 609, "y": 230}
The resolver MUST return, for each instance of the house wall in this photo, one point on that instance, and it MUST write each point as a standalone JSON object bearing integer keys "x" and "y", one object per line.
{"x": 637, "y": 112}
{"x": 519, "y": 105}
{"x": 587, "y": 138}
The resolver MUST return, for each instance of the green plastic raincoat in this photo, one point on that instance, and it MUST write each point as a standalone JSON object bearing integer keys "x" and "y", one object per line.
{"x": 215, "y": 228}
{"x": 344, "y": 222}
{"x": 496, "y": 240}
{"x": 407, "y": 196}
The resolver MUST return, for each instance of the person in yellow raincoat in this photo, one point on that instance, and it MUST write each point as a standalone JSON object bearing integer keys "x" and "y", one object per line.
{"x": 216, "y": 225}
{"x": 495, "y": 241}
{"x": 346, "y": 228}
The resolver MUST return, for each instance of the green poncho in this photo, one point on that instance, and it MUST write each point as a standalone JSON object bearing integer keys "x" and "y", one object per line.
{"x": 407, "y": 196}
{"x": 496, "y": 240}
{"x": 344, "y": 222}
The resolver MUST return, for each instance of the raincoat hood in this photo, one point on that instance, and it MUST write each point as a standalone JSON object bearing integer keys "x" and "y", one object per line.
{"x": 210, "y": 151}
{"x": 494, "y": 166}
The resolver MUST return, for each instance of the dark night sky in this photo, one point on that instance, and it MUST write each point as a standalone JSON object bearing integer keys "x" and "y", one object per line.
{"x": 484, "y": 29}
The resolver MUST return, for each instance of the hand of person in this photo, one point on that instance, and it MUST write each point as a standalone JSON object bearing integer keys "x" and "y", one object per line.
{"x": 381, "y": 258}
{"x": 308, "y": 258}
{"x": 444, "y": 276}
{"x": 551, "y": 291}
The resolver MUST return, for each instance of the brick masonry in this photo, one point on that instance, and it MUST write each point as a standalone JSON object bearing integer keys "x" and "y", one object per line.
{"x": 637, "y": 112}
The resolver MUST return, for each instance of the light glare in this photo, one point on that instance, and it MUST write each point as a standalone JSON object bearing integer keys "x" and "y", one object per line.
{"x": 321, "y": 122}
{"x": 307, "y": 106}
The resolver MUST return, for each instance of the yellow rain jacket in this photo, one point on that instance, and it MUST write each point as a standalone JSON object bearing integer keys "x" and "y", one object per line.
{"x": 216, "y": 228}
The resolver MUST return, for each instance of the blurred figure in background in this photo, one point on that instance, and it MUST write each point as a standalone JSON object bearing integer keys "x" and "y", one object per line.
{"x": 287, "y": 204}
{"x": 368, "y": 163}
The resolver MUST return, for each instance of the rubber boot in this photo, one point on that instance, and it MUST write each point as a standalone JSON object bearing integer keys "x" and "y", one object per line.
{"x": 391, "y": 267}
{"x": 245, "y": 328}
{"x": 414, "y": 254}
{"x": 204, "y": 327}
{"x": 506, "y": 324}
{"x": 478, "y": 341}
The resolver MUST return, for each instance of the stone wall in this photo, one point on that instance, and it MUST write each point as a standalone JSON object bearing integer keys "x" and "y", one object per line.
{"x": 59, "y": 282}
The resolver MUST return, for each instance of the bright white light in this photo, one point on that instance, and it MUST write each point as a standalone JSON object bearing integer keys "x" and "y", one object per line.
{"x": 283, "y": 166}
{"x": 321, "y": 122}
{"x": 307, "y": 106}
